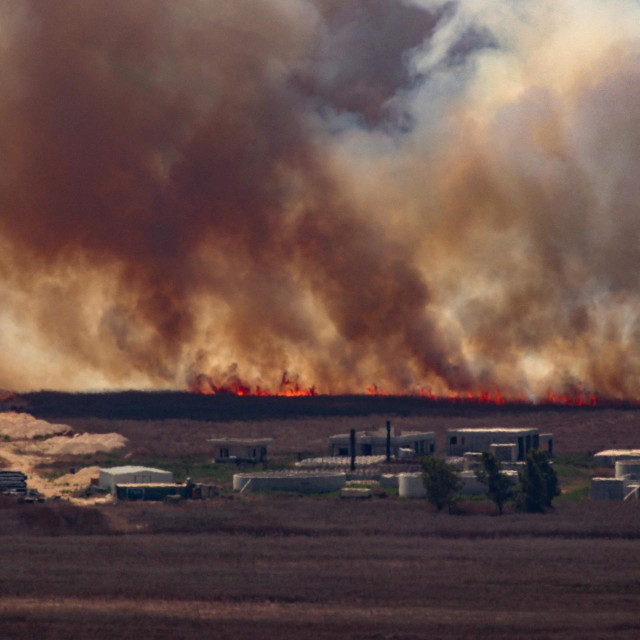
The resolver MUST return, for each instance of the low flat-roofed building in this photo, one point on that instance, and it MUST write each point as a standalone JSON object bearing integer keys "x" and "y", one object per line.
{"x": 374, "y": 443}
{"x": 459, "y": 441}
{"x": 240, "y": 449}
{"x": 130, "y": 474}
{"x": 609, "y": 457}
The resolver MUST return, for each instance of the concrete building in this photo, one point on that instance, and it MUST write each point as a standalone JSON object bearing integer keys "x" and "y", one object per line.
{"x": 374, "y": 443}
{"x": 607, "y": 489}
{"x": 609, "y": 457}
{"x": 459, "y": 441}
{"x": 625, "y": 486}
{"x": 109, "y": 478}
{"x": 240, "y": 449}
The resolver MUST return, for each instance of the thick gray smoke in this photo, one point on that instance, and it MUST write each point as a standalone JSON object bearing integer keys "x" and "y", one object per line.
{"x": 405, "y": 196}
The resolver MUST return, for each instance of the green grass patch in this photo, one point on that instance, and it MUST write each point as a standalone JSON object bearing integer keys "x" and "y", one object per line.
{"x": 573, "y": 466}
{"x": 578, "y": 494}
{"x": 44, "y": 436}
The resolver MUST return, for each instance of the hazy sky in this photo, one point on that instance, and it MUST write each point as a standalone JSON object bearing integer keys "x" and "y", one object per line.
{"x": 415, "y": 195}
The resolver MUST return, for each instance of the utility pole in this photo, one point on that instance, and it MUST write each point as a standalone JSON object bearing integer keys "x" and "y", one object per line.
{"x": 388, "y": 441}
{"x": 352, "y": 443}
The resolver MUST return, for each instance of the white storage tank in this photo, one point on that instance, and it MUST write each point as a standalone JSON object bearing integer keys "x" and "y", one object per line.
{"x": 410, "y": 485}
{"x": 295, "y": 481}
{"x": 629, "y": 469}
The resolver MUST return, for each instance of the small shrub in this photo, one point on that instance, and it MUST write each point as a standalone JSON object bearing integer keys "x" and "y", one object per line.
{"x": 498, "y": 486}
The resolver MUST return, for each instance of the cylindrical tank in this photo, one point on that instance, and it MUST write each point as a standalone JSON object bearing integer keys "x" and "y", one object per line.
{"x": 300, "y": 482}
{"x": 410, "y": 485}
{"x": 630, "y": 468}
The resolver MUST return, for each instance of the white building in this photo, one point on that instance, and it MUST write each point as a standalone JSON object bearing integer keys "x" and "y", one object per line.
{"x": 459, "y": 441}
{"x": 624, "y": 486}
{"x": 374, "y": 443}
{"x": 132, "y": 475}
{"x": 609, "y": 457}
{"x": 240, "y": 449}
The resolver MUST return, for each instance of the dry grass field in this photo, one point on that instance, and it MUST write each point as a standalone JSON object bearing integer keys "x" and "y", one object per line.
{"x": 575, "y": 431}
{"x": 278, "y": 566}
{"x": 292, "y": 567}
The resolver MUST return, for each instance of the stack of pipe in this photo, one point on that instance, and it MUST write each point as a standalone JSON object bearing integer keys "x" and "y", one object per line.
{"x": 13, "y": 482}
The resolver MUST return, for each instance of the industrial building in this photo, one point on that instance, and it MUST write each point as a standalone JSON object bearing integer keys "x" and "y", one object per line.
{"x": 609, "y": 457}
{"x": 625, "y": 486}
{"x": 374, "y": 443}
{"x": 109, "y": 478}
{"x": 459, "y": 441}
{"x": 240, "y": 449}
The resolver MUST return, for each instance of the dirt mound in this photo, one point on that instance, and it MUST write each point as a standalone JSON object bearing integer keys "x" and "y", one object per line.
{"x": 82, "y": 444}
{"x": 22, "y": 426}
{"x": 78, "y": 480}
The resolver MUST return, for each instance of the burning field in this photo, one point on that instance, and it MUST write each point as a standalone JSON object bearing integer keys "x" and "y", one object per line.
{"x": 322, "y": 197}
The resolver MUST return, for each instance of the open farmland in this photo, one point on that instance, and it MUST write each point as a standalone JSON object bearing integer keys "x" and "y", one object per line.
{"x": 290, "y": 567}
{"x": 277, "y": 566}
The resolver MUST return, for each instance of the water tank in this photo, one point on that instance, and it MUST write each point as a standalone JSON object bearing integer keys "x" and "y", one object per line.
{"x": 300, "y": 482}
{"x": 628, "y": 468}
{"x": 410, "y": 485}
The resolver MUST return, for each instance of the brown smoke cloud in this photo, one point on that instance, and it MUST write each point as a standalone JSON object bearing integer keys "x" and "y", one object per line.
{"x": 296, "y": 193}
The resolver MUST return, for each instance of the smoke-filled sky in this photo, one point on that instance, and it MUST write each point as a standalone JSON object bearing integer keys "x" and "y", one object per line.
{"x": 405, "y": 195}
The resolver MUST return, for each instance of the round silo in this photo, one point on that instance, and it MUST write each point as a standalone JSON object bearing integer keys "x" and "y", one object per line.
{"x": 628, "y": 468}
{"x": 410, "y": 485}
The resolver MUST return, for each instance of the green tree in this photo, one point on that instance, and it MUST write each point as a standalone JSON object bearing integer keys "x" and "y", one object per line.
{"x": 441, "y": 482}
{"x": 499, "y": 488}
{"x": 538, "y": 483}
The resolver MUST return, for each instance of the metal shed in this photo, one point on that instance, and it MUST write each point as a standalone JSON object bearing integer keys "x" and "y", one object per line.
{"x": 132, "y": 475}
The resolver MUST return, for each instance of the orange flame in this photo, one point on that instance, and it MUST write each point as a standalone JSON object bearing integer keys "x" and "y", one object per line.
{"x": 290, "y": 386}
{"x": 204, "y": 384}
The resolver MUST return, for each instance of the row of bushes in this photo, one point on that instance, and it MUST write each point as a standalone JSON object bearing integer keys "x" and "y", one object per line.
{"x": 536, "y": 488}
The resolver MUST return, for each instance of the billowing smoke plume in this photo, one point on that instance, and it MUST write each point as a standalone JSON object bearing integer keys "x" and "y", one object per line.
{"x": 338, "y": 194}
